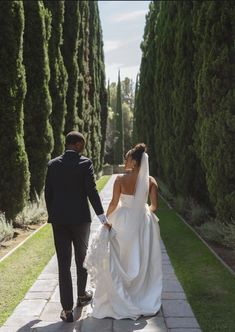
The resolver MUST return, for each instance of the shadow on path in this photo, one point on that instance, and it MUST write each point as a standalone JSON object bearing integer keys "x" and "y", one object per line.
{"x": 106, "y": 324}
{"x": 38, "y": 325}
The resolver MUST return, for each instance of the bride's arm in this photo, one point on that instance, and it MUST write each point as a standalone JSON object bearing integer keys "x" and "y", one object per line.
{"x": 153, "y": 187}
{"x": 116, "y": 194}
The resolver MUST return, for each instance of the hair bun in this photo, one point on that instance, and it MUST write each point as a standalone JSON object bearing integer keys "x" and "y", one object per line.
{"x": 141, "y": 147}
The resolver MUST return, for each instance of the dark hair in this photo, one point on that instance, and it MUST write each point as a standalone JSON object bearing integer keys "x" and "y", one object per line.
{"x": 74, "y": 137}
{"x": 136, "y": 152}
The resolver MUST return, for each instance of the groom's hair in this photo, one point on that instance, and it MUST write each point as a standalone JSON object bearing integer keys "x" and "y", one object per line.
{"x": 74, "y": 137}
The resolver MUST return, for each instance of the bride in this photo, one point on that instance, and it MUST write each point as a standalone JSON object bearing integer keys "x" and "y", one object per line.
{"x": 124, "y": 258}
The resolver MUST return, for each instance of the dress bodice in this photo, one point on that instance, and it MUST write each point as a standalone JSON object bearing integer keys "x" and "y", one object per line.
{"x": 126, "y": 200}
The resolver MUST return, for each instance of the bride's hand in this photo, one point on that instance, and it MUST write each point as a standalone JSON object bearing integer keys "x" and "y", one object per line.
{"x": 109, "y": 226}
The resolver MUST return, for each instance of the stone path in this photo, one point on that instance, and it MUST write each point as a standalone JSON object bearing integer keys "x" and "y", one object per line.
{"x": 39, "y": 311}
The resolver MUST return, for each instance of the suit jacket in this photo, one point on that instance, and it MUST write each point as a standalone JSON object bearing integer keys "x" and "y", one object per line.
{"x": 69, "y": 183}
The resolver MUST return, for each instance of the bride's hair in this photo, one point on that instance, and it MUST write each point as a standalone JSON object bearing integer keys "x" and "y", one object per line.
{"x": 136, "y": 152}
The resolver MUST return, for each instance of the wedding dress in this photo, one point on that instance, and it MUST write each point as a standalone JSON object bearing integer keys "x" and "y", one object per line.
{"x": 125, "y": 263}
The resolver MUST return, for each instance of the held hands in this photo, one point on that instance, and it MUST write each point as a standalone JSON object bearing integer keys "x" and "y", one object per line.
{"x": 109, "y": 226}
{"x": 103, "y": 219}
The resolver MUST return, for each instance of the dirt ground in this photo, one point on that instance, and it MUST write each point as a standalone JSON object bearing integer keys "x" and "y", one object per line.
{"x": 19, "y": 236}
{"x": 227, "y": 255}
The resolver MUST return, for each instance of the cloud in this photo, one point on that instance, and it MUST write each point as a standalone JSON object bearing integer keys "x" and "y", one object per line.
{"x": 111, "y": 45}
{"x": 128, "y": 16}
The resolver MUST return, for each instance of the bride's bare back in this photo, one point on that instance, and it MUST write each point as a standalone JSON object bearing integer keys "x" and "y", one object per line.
{"x": 126, "y": 184}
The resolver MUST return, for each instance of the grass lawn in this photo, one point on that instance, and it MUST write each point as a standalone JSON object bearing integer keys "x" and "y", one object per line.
{"x": 19, "y": 271}
{"x": 209, "y": 286}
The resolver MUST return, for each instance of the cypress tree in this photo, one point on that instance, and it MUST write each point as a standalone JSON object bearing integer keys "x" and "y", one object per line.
{"x": 83, "y": 102}
{"x": 165, "y": 55}
{"x": 189, "y": 177}
{"x": 14, "y": 180}
{"x": 145, "y": 117}
{"x": 38, "y": 131}
{"x": 69, "y": 52}
{"x": 97, "y": 89}
{"x": 214, "y": 82}
{"x": 135, "y": 111}
{"x": 119, "y": 144}
{"x": 102, "y": 91}
{"x": 58, "y": 78}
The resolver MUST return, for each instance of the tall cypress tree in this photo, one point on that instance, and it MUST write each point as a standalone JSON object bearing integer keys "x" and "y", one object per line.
{"x": 14, "y": 180}
{"x": 58, "y": 79}
{"x": 189, "y": 177}
{"x": 144, "y": 101}
{"x": 165, "y": 55}
{"x": 214, "y": 82}
{"x": 135, "y": 111}
{"x": 102, "y": 91}
{"x": 83, "y": 102}
{"x": 93, "y": 85}
{"x": 38, "y": 131}
{"x": 97, "y": 89}
{"x": 119, "y": 144}
{"x": 69, "y": 51}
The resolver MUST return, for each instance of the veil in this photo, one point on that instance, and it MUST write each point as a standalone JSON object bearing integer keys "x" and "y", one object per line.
{"x": 142, "y": 184}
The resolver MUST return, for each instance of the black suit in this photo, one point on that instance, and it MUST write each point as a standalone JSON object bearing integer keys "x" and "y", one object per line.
{"x": 69, "y": 184}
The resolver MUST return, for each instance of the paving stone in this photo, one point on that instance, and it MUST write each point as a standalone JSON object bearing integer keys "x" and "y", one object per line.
{"x": 44, "y": 286}
{"x": 167, "y": 268}
{"x": 46, "y": 276}
{"x": 168, "y": 276}
{"x": 153, "y": 324}
{"x": 56, "y": 295}
{"x": 176, "y": 308}
{"x": 6, "y": 329}
{"x": 38, "y": 295}
{"x": 52, "y": 266}
{"x": 184, "y": 330}
{"x": 165, "y": 256}
{"x": 54, "y": 327}
{"x": 91, "y": 324}
{"x": 182, "y": 322}
{"x": 51, "y": 312}
{"x": 173, "y": 296}
{"x": 171, "y": 286}
{"x": 29, "y": 308}
{"x": 15, "y": 323}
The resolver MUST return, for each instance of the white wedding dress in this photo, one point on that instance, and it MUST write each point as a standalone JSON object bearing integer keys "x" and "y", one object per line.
{"x": 125, "y": 264}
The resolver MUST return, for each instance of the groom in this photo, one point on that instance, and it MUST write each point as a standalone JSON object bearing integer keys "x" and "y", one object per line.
{"x": 69, "y": 184}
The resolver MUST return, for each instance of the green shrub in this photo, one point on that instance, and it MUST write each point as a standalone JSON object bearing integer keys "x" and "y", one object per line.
{"x": 218, "y": 232}
{"x": 164, "y": 191}
{"x": 196, "y": 213}
{"x": 180, "y": 204}
{"x": 6, "y": 229}
{"x": 33, "y": 213}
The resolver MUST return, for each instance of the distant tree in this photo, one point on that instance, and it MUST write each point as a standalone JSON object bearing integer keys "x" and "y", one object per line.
{"x": 119, "y": 144}
{"x": 111, "y": 136}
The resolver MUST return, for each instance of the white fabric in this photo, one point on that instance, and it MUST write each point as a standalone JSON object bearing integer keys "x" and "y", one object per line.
{"x": 125, "y": 263}
{"x": 103, "y": 219}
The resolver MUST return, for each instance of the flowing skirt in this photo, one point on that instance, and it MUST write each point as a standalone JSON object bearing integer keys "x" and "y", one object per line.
{"x": 125, "y": 265}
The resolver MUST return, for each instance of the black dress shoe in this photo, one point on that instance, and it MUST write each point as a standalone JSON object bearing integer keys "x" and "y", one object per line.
{"x": 67, "y": 316}
{"x": 84, "y": 299}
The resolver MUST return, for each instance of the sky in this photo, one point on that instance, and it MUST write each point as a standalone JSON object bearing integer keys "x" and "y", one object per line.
{"x": 123, "y": 25}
